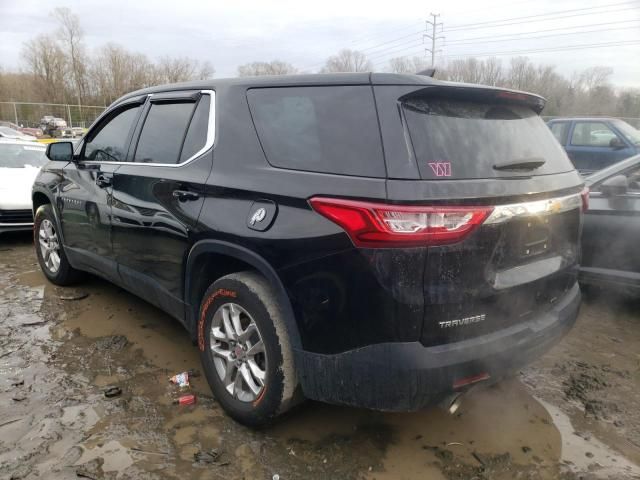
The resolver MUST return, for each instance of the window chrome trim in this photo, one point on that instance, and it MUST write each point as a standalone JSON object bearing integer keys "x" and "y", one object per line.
{"x": 550, "y": 206}
{"x": 211, "y": 137}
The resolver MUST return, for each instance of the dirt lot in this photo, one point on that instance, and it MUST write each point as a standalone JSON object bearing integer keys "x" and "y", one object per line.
{"x": 573, "y": 414}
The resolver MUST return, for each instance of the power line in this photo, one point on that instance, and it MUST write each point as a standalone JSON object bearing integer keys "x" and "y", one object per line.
{"x": 557, "y": 12}
{"x": 530, "y": 51}
{"x": 518, "y": 38}
{"x": 414, "y": 44}
{"x": 464, "y": 40}
{"x": 401, "y": 43}
{"x": 550, "y": 49}
{"x": 367, "y": 38}
{"x": 530, "y": 20}
{"x": 401, "y": 46}
{"x": 458, "y": 27}
{"x": 391, "y": 41}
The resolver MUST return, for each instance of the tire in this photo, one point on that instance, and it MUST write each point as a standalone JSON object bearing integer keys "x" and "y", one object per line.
{"x": 46, "y": 237}
{"x": 246, "y": 297}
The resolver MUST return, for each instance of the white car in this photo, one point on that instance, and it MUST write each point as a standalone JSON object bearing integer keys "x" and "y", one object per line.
{"x": 20, "y": 162}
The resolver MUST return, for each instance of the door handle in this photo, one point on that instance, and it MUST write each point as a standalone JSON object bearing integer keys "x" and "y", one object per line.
{"x": 103, "y": 180}
{"x": 185, "y": 195}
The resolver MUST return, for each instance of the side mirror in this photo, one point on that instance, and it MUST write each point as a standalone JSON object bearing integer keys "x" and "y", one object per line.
{"x": 616, "y": 143}
{"x": 614, "y": 186}
{"x": 60, "y": 151}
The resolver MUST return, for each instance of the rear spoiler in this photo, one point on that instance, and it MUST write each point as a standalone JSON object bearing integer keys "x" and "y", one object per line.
{"x": 479, "y": 94}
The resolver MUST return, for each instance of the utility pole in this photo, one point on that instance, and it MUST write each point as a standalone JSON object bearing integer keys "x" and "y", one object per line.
{"x": 432, "y": 26}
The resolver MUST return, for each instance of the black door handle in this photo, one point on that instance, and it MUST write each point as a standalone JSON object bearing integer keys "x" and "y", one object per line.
{"x": 185, "y": 195}
{"x": 103, "y": 181}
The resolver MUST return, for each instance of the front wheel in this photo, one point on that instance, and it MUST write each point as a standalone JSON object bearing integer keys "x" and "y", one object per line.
{"x": 245, "y": 350}
{"x": 51, "y": 256}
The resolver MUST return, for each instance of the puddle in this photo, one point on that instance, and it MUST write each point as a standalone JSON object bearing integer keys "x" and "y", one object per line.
{"x": 584, "y": 452}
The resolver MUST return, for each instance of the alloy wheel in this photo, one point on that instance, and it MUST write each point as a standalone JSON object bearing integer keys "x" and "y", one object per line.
{"x": 49, "y": 246}
{"x": 238, "y": 352}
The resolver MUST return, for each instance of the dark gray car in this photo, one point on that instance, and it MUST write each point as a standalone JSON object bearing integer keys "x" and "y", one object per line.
{"x": 610, "y": 254}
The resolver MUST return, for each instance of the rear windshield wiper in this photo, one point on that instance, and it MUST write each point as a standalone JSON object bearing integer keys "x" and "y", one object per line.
{"x": 522, "y": 164}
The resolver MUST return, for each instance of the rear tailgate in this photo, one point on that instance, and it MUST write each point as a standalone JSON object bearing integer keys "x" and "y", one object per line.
{"x": 484, "y": 148}
{"x": 508, "y": 271}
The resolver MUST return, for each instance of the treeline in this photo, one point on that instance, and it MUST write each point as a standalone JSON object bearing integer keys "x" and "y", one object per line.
{"x": 58, "y": 68}
{"x": 588, "y": 92}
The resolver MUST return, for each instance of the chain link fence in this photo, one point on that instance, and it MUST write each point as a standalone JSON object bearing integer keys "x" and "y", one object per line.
{"x": 28, "y": 114}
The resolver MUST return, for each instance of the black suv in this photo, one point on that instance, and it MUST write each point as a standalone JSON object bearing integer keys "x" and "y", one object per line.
{"x": 377, "y": 240}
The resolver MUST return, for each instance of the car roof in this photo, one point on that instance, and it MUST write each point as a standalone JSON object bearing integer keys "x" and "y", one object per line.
{"x": 611, "y": 170}
{"x": 315, "y": 79}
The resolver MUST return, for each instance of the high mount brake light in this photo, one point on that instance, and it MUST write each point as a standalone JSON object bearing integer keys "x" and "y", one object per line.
{"x": 379, "y": 225}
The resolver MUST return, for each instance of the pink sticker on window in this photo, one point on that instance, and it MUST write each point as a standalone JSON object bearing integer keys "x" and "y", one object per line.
{"x": 441, "y": 169}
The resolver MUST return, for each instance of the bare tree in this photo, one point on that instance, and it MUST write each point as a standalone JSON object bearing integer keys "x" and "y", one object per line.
{"x": 595, "y": 77}
{"x": 274, "y": 67}
{"x": 521, "y": 74}
{"x": 347, "y": 61}
{"x": 491, "y": 72}
{"x": 407, "y": 65}
{"x": 182, "y": 69}
{"x": 116, "y": 71}
{"x": 46, "y": 61}
{"x": 70, "y": 34}
{"x": 465, "y": 70}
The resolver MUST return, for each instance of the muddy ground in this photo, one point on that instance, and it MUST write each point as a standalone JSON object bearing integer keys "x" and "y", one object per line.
{"x": 573, "y": 414}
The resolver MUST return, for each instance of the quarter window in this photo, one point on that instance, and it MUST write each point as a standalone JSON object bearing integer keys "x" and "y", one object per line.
{"x": 110, "y": 143}
{"x": 592, "y": 134}
{"x": 319, "y": 129}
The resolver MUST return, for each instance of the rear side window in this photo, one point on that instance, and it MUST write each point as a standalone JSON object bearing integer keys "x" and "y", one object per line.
{"x": 463, "y": 139}
{"x": 163, "y": 132}
{"x": 319, "y": 129}
{"x": 197, "y": 133}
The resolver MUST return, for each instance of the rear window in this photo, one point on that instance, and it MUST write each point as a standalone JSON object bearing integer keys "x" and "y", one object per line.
{"x": 319, "y": 129}
{"x": 462, "y": 139}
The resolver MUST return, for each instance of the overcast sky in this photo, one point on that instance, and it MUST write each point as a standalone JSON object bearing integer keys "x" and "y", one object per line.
{"x": 228, "y": 34}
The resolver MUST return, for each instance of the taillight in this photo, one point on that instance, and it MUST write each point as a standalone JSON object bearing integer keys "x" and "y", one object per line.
{"x": 378, "y": 225}
{"x": 585, "y": 199}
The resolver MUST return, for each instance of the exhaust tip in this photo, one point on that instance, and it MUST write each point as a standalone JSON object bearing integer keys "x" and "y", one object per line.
{"x": 455, "y": 404}
{"x": 452, "y": 403}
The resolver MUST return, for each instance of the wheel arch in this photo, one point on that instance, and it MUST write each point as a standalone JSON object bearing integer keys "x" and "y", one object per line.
{"x": 40, "y": 197}
{"x": 242, "y": 256}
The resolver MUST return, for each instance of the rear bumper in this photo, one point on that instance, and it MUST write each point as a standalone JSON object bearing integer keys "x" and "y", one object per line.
{"x": 409, "y": 376}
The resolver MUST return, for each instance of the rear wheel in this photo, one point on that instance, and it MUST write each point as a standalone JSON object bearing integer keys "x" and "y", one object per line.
{"x": 51, "y": 256}
{"x": 245, "y": 349}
